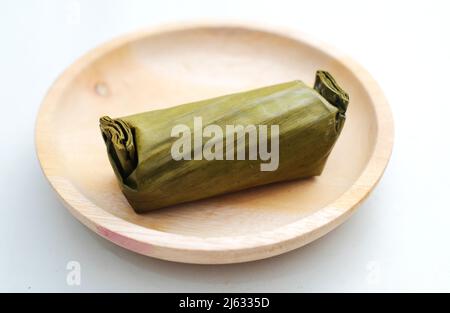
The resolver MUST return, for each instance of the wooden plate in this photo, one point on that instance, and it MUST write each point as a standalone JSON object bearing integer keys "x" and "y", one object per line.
{"x": 177, "y": 64}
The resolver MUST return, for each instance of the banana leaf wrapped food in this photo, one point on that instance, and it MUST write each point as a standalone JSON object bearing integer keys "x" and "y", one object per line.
{"x": 225, "y": 144}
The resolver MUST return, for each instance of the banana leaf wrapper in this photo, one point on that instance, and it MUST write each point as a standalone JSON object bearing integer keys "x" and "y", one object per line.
{"x": 139, "y": 146}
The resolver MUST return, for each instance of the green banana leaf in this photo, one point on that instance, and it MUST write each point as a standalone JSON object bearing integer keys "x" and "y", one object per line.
{"x": 212, "y": 157}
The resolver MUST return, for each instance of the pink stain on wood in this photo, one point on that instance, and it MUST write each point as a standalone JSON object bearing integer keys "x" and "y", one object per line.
{"x": 123, "y": 241}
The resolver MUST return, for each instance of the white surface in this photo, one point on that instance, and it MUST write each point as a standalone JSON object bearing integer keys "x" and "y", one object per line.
{"x": 397, "y": 241}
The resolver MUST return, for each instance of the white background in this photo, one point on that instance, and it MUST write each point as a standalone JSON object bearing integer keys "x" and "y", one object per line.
{"x": 397, "y": 241}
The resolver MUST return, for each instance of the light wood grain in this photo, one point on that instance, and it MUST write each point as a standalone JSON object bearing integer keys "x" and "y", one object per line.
{"x": 175, "y": 64}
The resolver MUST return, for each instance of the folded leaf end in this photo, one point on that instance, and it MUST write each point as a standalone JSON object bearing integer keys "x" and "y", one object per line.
{"x": 119, "y": 140}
